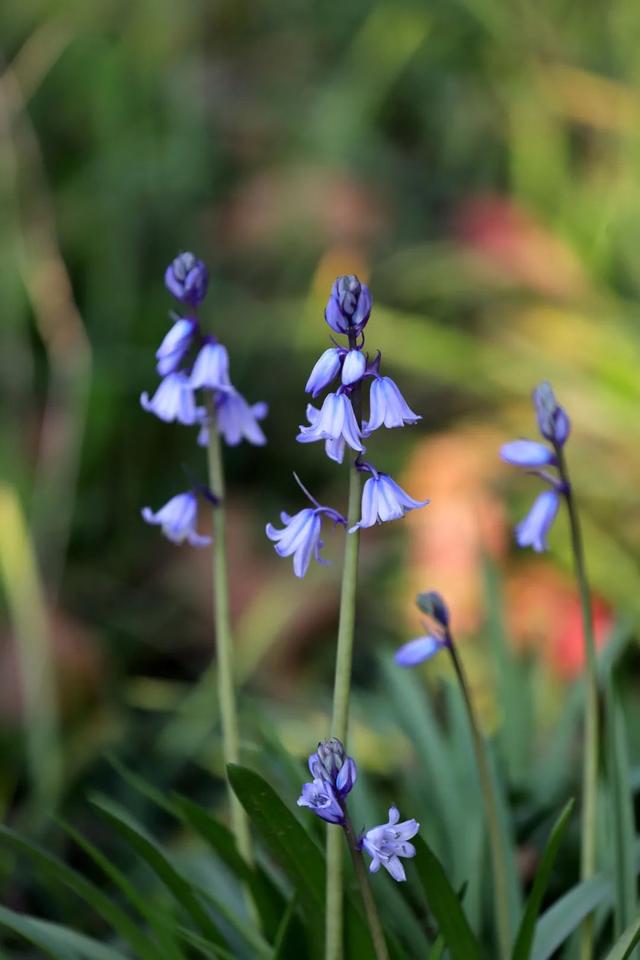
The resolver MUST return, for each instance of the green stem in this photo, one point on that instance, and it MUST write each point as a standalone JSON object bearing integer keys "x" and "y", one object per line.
{"x": 498, "y": 853}
{"x": 339, "y": 724}
{"x": 590, "y": 758}
{"x": 370, "y": 908}
{"x": 224, "y": 639}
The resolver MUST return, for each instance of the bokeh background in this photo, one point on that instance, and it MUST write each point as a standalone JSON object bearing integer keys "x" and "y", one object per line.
{"x": 478, "y": 163}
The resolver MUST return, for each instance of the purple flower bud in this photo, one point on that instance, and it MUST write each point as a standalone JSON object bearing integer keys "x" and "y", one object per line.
{"x": 527, "y": 453}
{"x": 175, "y": 345}
{"x": 388, "y": 842}
{"x": 300, "y": 537}
{"x": 211, "y": 368}
{"x": 387, "y": 407}
{"x": 186, "y": 278}
{"x": 178, "y": 520}
{"x": 353, "y": 369}
{"x": 534, "y": 529}
{"x": 173, "y": 400}
{"x": 331, "y": 763}
{"x": 349, "y": 305}
{"x": 335, "y": 422}
{"x": 320, "y": 797}
{"x": 418, "y": 650}
{"x": 325, "y": 370}
{"x": 553, "y": 422}
{"x": 434, "y": 606}
{"x": 382, "y": 500}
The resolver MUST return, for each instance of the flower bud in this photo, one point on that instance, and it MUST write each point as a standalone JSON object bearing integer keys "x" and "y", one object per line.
{"x": 331, "y": 763}
{"x": 553, "y": 421}
{"x": 433, "y": 606}
{"x": 349, "y": 305}
{"x": 186, "y": 278}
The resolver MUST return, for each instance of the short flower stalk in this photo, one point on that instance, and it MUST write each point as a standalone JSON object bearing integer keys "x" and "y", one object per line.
{"x": 554, "y": 426}
{"x": 334, "y": 776}
{"x": 195, "y": 365}
{"x": 439, "y": 637}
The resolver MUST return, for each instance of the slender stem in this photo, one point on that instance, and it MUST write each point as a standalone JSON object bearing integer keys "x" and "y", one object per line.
{"x": 370, "y": 908}
{"x": 224, "y": 639}
{"x": 339, "y": 725}
{"x": 590, "y": 758}
{"x": 498, "y": 853}
{"x": 341, "y": 690}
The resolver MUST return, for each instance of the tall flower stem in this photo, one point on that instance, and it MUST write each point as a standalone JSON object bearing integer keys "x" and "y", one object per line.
{"x": 496, "y": 842}
{"x": 224, "y": 639}
{"x": 341, "y": 692}
{"x": 340, "y": 721}
{"x": 590, "y": 756}
{"x": 370, "y": 908}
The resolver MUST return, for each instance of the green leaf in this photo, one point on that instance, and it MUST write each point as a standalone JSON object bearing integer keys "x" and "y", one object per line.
{"x": 524, "y": 940}
{"x": 161, "y": 925}
{"x": 445, "y": 905}
{"x": 624, "y": 946}
{"x": 89, "y": 892}
{"x": 147, "y": 848}
{"x": 55, "y": 940}
{"x": 437, "y": 950}
{"x": 621, "y": 806}
{"x": 567, "y": 913}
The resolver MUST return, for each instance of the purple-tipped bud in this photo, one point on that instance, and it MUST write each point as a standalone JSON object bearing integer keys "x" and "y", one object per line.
{"x": 534, "y": 529}
{"x": 553, "y": 422}
{"x": 325, "y": 370}
{"x": 349, "y": 305}
{"x": 433, "y": 605}
{"x": 187, "y": 279}
{"x": 353, "y": 369}
{"x": 527, "y": 453}
{"x": 331, "y": 763}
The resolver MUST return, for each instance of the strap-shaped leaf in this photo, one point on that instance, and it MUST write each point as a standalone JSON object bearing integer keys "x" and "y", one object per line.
{"x": 445, "y": 904}
{"x": 56, "y": 940}
{"x": 624, "y": 947}
{"x": 566, "y": 914}
{"x": 115, "y": 916}
{"x": 524, "y": 940}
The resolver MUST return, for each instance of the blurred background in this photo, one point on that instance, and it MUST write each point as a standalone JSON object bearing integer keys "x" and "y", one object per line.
{"x": 479, "y": 165}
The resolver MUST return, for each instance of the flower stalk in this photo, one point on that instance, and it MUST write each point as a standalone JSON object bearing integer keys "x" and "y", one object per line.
{"x": 370, "y": 908}
{"x": 224, "y": 639}
{"x": 490, "y": 800}
{"x": 590, "y": 752}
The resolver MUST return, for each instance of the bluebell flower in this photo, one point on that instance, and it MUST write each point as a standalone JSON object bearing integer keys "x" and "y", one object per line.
{"x": 418, "y": 650}
{"x": 178, "y": 519}
{"x": 335, "y": 422}
{"x": 237, "y": 420}
{"x": 324, "y": 371}
{"x": 187, "y": 279}
{"x": 354, "y": 367}
{"x": 320, "y": 797}
{"x": 388, "y": 842}
{"x": 553, "y": 421}
{"x": 211, "y": 368}
{"x": 173, "y": 400}
{"x": 300, "y": 536}
{"x": 349, "y": 305}
{"x": 433, "y": 604}
{"x": 175, "y": 345}
{"x": 534, "y": 529}
{"x": 527, "y": 453}
{"x": 387, "y": 406}
{"x": 331, "y": 763}
{"x": 383, "y": 499}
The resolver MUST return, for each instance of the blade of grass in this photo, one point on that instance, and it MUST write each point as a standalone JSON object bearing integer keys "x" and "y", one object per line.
{"x": 621, "y": 811}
